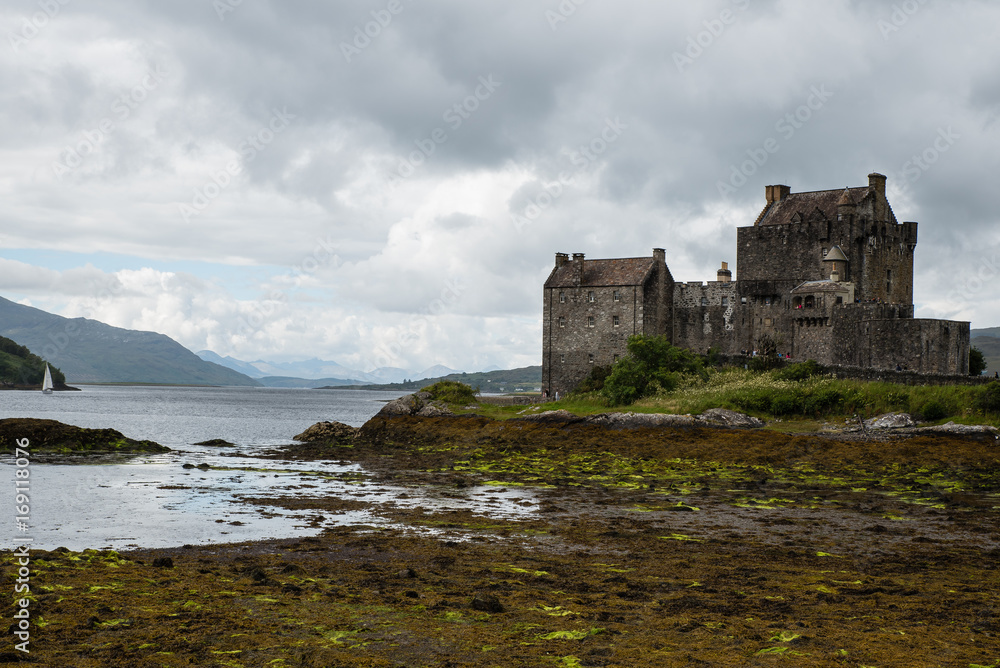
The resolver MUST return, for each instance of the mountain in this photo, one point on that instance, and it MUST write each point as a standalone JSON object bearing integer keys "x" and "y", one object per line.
{"x": 309, "y": 383}
{"x": 322, "y": 370}
{"x": 509, "y": 380}
{"x": 89, "y": 351}
{"x": 988, "y": 331}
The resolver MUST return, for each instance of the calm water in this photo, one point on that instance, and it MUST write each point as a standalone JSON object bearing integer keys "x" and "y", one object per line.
{"x": 153, "y": 501}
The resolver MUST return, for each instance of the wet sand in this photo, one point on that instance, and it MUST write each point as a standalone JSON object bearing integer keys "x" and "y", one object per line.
{"x": 655, "y": 547}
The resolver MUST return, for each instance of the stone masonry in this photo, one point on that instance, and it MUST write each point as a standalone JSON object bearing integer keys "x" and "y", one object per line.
{"x": 828, "y": 275}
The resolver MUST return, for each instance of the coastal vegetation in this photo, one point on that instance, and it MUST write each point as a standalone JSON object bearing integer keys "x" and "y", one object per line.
{"x": 20, "y": 367}
{"x": 51, "y": 436}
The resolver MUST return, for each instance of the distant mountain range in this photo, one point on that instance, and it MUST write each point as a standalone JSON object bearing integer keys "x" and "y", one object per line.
{"x": 323, "y": 372}
{"x": 88, "y": 351}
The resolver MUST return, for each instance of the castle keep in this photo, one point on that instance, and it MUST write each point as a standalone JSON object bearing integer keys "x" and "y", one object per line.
{"x": 828, "y": 275}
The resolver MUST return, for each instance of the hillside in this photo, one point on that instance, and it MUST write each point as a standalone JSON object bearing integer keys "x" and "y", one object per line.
{"x": 19, "y": 367}
{"x": 88, "y": 351}
{"x": 527, "y": 378}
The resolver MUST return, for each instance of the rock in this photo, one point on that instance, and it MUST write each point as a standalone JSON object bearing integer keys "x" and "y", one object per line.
{"x": 53, "y": 436}
{"x": 891, "y": 421}
{"x": 335, "y": 432}
{"x": 728, "y": 418}
{"x": 218, "y": 442}
{"x": 430, "y": 410}
{"x": 639, "y": 420}
{"x": 552, "y": 417}
{"x": 963, "y": 429}
{"x": 486, "y": 603}
{"x": 405, "y": 405}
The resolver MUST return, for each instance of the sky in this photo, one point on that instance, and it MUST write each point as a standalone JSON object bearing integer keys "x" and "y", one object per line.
{"x": 386, "y": 182}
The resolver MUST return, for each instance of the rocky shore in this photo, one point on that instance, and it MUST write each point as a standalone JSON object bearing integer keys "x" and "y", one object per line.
{"x": 52, "y": 437}
{"x": 644, "y": 541}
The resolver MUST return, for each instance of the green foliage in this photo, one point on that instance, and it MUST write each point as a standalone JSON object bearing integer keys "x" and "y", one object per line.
{"x": 19, "y": 366}
{"x": 595, "y": 379}
{"x": 451, "y": 392}
{"x": 932, "y": 410}
{"x": 652, "y": 364}
{"x": 989, "y": 398}
{"x": 800, "y": 371}
{"x": 977, "y": 361}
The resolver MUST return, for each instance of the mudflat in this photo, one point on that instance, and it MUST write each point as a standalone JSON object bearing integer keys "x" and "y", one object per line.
{"x": 641, "y": 547}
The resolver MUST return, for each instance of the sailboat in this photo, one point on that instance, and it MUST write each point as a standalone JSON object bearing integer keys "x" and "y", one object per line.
{"x": 47, "y": 382}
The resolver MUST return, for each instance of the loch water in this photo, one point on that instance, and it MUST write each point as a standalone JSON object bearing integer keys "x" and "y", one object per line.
{"x": 155, "y": 501}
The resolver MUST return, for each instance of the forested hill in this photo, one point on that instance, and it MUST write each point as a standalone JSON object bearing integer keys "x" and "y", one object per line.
{"x": 20, "y": 367}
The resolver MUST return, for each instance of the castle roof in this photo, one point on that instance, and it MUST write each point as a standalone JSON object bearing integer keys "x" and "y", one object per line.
{"x": 619, "y": 271}
{"x": 812, "y": 287}
{"x": 804, "y": 207}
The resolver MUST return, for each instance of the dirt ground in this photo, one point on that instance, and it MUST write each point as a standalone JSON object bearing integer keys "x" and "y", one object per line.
{"x": 665, "y": 547}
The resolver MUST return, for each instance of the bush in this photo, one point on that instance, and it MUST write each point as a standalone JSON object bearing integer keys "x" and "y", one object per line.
{"x": 451, "y": 392}
{"x": 932, "y": 410}
{"x": 594, "y": 380}
{"x": 989, "y": 398}
{"x": 652, "y": 364}
{"x": 800, "y": 371}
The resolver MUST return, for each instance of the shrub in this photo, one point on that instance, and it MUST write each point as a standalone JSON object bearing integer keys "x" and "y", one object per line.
{"x": 932, "y": 410}
{"x": 800, "y": 371}
{"x": 652, "y": 364}
{"x": 451, "y": 392}
{"x": 594, "y": 380}
{"x": 988, "y": 398}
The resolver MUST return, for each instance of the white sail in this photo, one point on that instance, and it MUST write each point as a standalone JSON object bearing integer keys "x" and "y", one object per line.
{"x": 47, "y": 383}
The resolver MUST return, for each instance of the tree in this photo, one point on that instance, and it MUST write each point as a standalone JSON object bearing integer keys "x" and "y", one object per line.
{"x": 652, "y": 364}
{"x": 977, "y": 361}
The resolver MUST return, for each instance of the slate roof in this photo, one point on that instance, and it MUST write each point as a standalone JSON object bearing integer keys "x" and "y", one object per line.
{"x": 818, "y": 286}
{"x": 819, "y": 204}
{"x": 619, "y": 271}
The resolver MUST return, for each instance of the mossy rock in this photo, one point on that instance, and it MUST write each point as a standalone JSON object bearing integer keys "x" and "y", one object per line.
{"x": 53, "y": 436}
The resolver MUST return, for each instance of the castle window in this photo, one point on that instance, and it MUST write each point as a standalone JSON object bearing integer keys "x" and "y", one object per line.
{"x": 797, "y": 302}
{"x": 590, "y": 321}
{"x": 767, "y": 301}
{"x": 562, "y": 297}
{"x": 615, "y": 320}
{"x": 591, "y": 297}
{"x": 616, "y": 359}
{"x": 562, "y": 322}
{"x": 743, "y": 300}
{"x": 618, "y": 295}
{"x": 725, "y": 301}
{"x": 840, "y": 300}
{"x": 704, "y": 301}
{"x": 810, "y": 302}
{"x": 591, "y": 358}
{"x": 562, "y": 358}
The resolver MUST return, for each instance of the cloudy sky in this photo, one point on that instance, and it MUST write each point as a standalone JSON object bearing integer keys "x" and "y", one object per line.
{"x": 385, "y": 182}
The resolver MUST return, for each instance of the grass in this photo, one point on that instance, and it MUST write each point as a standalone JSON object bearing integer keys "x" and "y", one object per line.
{"x": 801, "y": 405}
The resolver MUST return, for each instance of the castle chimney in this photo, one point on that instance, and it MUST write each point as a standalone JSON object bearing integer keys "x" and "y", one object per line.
{"x": 660, "y": 255}
{"x": 724, "y": 275}
{"x": 876, "y": 182}
{"x": 561, "y": 259}
{"x": 776, "y": 193}
{"x": 578, "y": 269}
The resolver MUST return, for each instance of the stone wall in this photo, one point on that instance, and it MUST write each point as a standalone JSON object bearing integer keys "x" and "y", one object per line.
{"x": 706, "y": 316}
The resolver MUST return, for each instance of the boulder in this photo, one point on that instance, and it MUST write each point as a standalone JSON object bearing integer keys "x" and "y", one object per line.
{"x": 430, "y": 410}
{"x": 891, "y": 421}
{"x": 53, "y": 436}
{"x": 552, "y": 417}
{"x": 323, "y": 432}
{"x": 639, "y": 420}
{"x": 415, "y": 404}
{"x": 727, "y": 418}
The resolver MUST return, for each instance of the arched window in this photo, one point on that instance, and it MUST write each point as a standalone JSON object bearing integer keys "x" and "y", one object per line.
{"x": 810, "y": 301}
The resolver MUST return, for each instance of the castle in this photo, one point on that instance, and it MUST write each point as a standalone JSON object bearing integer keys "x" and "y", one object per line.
{"x": 827, "y": 275}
